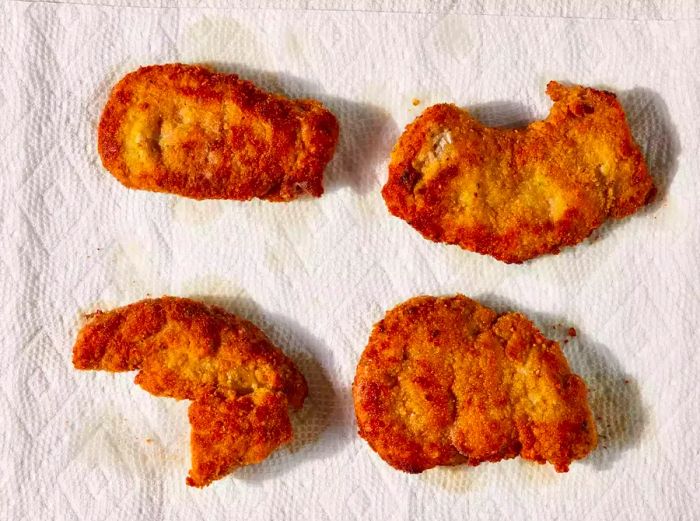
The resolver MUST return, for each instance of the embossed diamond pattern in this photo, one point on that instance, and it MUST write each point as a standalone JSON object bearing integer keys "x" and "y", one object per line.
{"x": 316, "y": 274}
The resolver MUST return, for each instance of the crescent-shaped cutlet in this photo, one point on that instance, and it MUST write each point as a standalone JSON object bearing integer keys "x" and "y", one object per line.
{"x": 187, "y": 130}
{"x": 240, "y": 384}
{"x": 445, "y": 381}
{"x": 516, "y": 194}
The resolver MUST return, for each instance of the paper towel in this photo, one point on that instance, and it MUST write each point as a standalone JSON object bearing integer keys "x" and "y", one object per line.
{"x": 317, "y": 274}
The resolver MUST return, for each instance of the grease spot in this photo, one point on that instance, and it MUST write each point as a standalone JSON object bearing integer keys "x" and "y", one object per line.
{"x": 294, "y": 49}
{"x": 453, "y": 36}
{"x": 213, "y": 289}
{"x": 671, "y": 216}
{"x": 456, "y": 480}
{"x": 110, "y": 442}
{"x": 198, "y": 213}
{"x": 464, "y": 479}
{"x": 135, "y": 271}
{"x": 222, "y": 40}
{"x": 535, "y": 475}
{"x": 372, "y": 207}
{"x": 128, "y": 435}
{"x": 273, "y": 262}
{"x": 174, "y": 458}
{"x": 385, "y": 95}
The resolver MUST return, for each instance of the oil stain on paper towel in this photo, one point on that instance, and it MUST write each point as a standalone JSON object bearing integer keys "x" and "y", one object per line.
{"x": 134, "y": 268}
{"x": 218, "y": 39}
{"x": 197, "y": 213}
{"x": 112, "y": 460}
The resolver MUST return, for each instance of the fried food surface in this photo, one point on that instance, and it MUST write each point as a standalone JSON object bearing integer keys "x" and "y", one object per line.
{"x": 240, "y": 384}
{"x": 445, "y": 381}
{"x": 516, "y": 194}
{"x": 187, "y": 130}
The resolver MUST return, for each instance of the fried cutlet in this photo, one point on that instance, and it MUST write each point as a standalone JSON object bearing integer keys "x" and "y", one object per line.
{"x": 516, "y": 194}
{"x": 445, "y": 381}
{"x": 187, "y": 130}
{"x": 240, "y": 384}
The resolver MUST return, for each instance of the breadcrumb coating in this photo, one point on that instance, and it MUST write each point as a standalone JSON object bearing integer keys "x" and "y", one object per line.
{"x": 445, "y": 381}
{"x": 516, "y": 194}
{"x": 240, "y": 384}
{"x": 187, "y": 130}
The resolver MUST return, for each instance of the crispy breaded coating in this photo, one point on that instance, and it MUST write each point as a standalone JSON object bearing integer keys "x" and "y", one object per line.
{"x": 445, "y": 381}
{"x": 515, "y": 194}
{"x": 240, "y": 384}
{"x": 187, "y": 130}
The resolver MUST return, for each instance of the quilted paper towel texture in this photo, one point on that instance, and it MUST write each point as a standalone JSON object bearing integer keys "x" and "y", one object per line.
{"x": 316, "y": 274}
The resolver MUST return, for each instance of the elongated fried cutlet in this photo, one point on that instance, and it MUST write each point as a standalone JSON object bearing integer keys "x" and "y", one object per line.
{"x": 516, "y": 194}
{"x": 187, "y": 130}
{"x": 445, "y": 381}
{"x": 240, "y": 384}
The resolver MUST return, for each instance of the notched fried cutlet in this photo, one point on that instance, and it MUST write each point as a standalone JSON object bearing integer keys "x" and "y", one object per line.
{"x": 187, "y": 130}
{"x": 445, "y": 381}
{"x": 516, "y": 194}
{"x": 240, "y": 384}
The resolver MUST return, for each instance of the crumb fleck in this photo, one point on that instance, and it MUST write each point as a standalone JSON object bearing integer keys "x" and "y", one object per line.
{"x": 149, "y": 440}
{"x": 571, "y": 331}
{"x": 627, "y": 381}
{"x": 415, "y": 102}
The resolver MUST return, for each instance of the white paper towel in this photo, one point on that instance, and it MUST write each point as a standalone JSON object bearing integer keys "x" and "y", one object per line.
{"x": 316, "y": 274}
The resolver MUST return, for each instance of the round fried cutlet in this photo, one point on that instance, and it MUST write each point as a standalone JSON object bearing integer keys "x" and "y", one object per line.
{"x": 445, "y": 381}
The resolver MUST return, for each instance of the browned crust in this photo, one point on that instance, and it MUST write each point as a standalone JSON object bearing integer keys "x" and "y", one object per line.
{"x": 208, "y": 135}
{"x": 518, "y": 175}
{"x": 445, "y": 381}
{"x": 240, "y": 383}
{"x": 227, "y": 434}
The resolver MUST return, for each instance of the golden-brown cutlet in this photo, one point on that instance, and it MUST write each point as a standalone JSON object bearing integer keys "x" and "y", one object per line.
{"x": 445, "y": 381}
{"x": 240, "y": 384}
{"x": 187, "y": 130}
{"x": 516, "y": 194}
